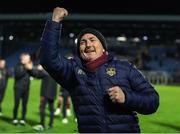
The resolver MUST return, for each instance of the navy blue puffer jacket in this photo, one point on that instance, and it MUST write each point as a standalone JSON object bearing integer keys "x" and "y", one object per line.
{"x": 94, "y": 109}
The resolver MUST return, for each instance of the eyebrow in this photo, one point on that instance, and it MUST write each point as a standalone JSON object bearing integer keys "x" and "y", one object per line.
{"x": 88, "y": 38}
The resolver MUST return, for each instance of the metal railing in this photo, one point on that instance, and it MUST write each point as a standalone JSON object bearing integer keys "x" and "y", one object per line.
{"x": 158, "y": 77}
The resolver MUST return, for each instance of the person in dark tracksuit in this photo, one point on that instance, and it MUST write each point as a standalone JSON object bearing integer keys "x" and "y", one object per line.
{"x": 3, "y": 81}
{"x": 47, "y": 95}
{"x": 106, "y": 92}
{"x": 22, "y": 72}
{"x": 64, "y": 100}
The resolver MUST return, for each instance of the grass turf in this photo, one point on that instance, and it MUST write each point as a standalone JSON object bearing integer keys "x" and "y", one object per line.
{"x": 166, "y": 119}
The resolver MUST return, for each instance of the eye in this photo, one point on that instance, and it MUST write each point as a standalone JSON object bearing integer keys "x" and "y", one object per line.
{"x": 82, "y": 42}
{"x": 92, "y": 40}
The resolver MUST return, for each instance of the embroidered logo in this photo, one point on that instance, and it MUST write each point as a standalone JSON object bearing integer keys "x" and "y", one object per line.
{"x": 111, "y": 71}
{"x": 81, "y": 72}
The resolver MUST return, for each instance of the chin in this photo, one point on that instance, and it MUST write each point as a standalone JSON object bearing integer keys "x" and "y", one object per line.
{"x": 92, "y": 59}
{"x": 89, "y": 58}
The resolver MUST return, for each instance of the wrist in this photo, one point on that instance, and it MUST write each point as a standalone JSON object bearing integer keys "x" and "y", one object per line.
{"x": 57, "y": 19}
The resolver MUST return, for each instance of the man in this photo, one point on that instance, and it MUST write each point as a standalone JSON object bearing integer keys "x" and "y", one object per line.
{"x": 3, "y": 81}
{"x": 47, "y": 95}
{"x": 106, "y": 93}
{"x": 22, "y": 72}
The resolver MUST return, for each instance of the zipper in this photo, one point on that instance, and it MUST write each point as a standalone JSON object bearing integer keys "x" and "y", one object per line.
{"x": 104, "y": 116}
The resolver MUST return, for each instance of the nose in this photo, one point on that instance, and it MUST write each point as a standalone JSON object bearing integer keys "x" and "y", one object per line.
{"x": 89, "y": 43}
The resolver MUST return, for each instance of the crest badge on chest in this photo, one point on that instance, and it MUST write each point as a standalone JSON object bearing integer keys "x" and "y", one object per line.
{"x": 111, "y": 71}
{"x": 81, "y": 72}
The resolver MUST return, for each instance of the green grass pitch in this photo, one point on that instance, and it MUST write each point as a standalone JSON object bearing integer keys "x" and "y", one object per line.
{"x": 165, "y": 120}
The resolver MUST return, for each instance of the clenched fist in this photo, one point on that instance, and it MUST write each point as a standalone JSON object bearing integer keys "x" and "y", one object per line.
{"x": 116, "y": 94}
{"x": 39, "y": 67}
{"x": 59, "y": 14}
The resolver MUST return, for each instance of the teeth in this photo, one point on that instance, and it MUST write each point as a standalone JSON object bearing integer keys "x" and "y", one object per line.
{"x": 88, "y": 50}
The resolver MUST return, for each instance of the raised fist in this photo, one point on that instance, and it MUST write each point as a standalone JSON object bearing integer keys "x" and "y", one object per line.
{"x": 59, "y": 14}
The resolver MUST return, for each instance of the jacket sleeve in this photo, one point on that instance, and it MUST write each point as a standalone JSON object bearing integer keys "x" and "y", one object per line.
{"x": 52, "y": 61}
{"x": 39, "y": 74}
{"x": 142, "y": 98}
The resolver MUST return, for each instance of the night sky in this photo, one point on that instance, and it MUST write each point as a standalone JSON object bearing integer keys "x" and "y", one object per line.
{"x": 158, "y": 7}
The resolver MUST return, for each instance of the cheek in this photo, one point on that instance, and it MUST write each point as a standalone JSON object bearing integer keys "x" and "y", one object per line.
{"x": 81, "y": 51}
{"x": 81, "y": 48}
{"x": 99, "y": 50}
{"x": 98, "y": 47}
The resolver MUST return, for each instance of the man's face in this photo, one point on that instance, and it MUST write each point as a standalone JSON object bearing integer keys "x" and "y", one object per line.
{"x": 90, "y": 47}
{"x": 25, "y": 58}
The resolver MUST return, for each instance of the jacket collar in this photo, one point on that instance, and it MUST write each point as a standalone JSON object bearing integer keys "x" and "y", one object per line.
{"x": 81, "y": 63}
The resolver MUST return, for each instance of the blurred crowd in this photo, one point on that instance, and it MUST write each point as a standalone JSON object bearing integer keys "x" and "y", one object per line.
{"x": 22, "y": 72}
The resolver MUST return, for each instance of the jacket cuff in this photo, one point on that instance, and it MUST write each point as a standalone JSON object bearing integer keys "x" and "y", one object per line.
{"x": 52, "y": 25}
{"x": 127, "y": 98}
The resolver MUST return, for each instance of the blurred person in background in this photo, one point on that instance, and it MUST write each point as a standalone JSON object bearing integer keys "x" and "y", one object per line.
{"x": 48, "y": 94}
{"x": 64, "y": 101}
{"x": 106, "y": 93}
{"x": 3, "y": 81}
{"x": 22, "y": 72}
{"x": 64, "y": 98}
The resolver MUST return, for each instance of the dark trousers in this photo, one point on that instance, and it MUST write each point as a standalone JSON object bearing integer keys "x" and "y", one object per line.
{"x": 65, "y": 98}
{"x": 65, "y": 95}
{"x": 20, "y": 95}
{"x": 2, "y": 92}
{"x": 43, "y": 103}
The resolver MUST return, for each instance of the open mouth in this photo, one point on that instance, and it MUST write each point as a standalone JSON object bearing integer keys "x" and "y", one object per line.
{"x": 89, "y": 50}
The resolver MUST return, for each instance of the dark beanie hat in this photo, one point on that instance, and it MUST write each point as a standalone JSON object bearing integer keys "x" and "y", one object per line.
{"x": 94, "y": 32}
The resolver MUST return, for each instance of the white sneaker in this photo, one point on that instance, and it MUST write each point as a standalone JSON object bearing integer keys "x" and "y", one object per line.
{"x": 15, "y": 122}
{"x": 38, "y": 128}
{"x": 65, "y": 121}
{"x": 57, "y": 112}
{"x": 22, "y": 122}
{"x": 68, "y": 112}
